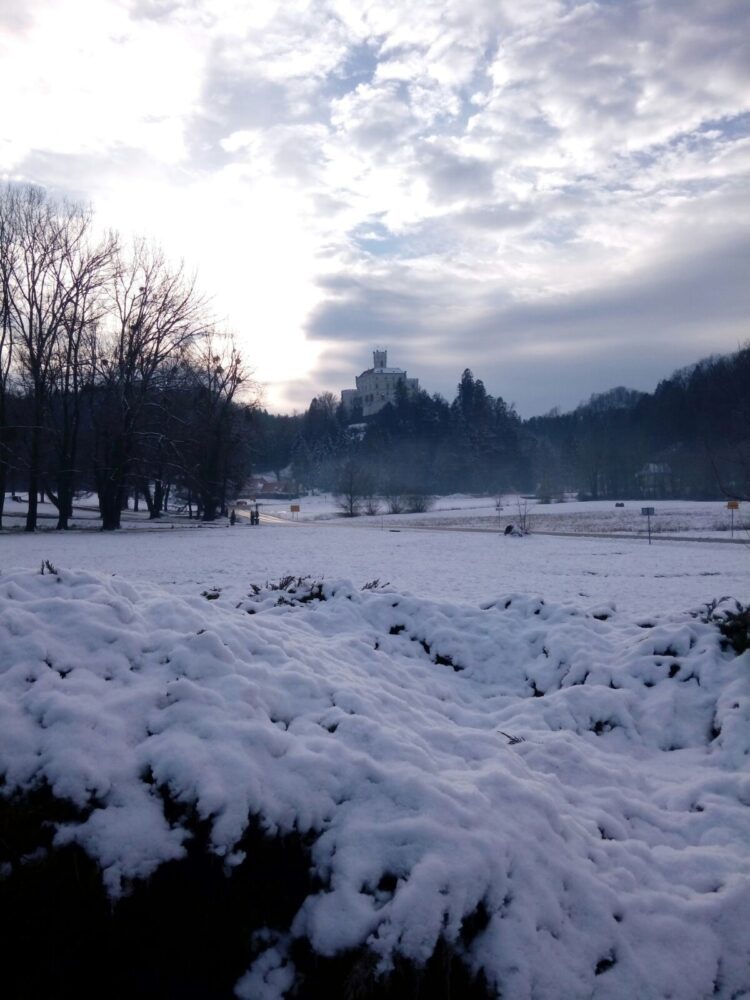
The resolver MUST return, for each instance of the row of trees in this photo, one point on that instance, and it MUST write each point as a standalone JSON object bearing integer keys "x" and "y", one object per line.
{"x": 112, "y": 376}
{"x": 690, "y": 438}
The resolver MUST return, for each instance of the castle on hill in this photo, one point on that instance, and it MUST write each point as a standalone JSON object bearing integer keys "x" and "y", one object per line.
{"x": 376, "y": 386}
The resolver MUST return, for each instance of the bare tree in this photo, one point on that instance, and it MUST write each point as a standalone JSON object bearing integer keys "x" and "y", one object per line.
{"x": 354, "y": 484}
{"x": 372, "y": 505}
{"x": 161, "y": 435}
{"x": 7, "y": 254}
{"x": 41, "y": 232}
{"x": 156, "y": 313}
{"x": 218, "y": 378}
{"x": 88, "y": 273}
{"x": 522, "y": 506}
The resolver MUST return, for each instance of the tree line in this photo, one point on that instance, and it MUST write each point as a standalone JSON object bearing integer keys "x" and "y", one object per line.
{"x": 690, "y": 438}
{"x": 113, "y": 377}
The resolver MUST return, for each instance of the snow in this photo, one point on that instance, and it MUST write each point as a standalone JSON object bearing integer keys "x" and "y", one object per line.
{"x": 609, "y": 846}
{"x": 680, "y": 518}
{"x": 673, "y": 518}
{"x": 613, "y": 839}
{"x": 464, "y": 566}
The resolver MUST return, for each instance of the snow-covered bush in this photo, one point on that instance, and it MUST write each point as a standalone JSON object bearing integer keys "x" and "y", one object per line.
{"x": 371, "y": 506}
{"x": 331, "y": 796}
{"x": 419, "y": 503}
{"x": 733, "y": 621}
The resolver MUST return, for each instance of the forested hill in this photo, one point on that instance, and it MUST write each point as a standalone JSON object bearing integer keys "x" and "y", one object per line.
{"x": 689, "y": 438}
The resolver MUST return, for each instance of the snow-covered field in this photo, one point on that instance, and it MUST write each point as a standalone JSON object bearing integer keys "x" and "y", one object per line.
{"x": 464, "y": 566}
{"x": 672, "y": 518}
{"x": 686, "y": 518}
{"x": 605, "y": 854}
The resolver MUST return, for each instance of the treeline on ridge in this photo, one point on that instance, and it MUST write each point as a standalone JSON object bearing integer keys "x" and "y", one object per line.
{"x": 690, "y": 438}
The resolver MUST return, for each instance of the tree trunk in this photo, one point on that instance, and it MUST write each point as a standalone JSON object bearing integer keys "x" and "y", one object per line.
{"x": 64, "y": 499}
{"x": 35, "y": 458}
{"x": 158, "y": 500}
{"x": 210, "y": 505}
{"x": 31, "y": 511}
{"x": 109, "y": 491}
{"x": 155, "y": 500}
{"x": 110, "y": 509}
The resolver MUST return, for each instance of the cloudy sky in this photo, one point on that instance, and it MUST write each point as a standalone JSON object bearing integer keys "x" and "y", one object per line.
{"x": 553, "y": 193}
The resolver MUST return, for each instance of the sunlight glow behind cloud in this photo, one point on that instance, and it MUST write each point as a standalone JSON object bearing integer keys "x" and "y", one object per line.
{"x": 480, "y": 183}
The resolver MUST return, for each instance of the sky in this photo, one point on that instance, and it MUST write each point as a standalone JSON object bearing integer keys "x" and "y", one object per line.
{"x": 553, "y": 193}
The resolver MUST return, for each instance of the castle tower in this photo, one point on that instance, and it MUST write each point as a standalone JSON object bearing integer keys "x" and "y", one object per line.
{"x": 377, "y": 387}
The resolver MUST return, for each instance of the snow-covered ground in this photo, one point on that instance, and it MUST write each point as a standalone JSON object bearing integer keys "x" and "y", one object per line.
{"x": 580, "y": 780}
{"x": 85, "y": 515}
{"x": 463, "y": 566}
{"x": 604, "y": 855}
{"x": 672, "y": 518}
{"x": 687, "y": 518}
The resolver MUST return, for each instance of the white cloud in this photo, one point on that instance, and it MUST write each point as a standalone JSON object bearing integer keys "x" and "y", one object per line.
{"x": 84, "y": 77}
{"x": 530, "y": 151}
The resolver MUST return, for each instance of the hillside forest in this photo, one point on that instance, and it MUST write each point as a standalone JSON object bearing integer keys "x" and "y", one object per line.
{"x": 690, "y": 439}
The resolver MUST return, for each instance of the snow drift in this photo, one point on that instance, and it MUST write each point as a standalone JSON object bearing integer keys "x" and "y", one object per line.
{"x": 560, "y": 794}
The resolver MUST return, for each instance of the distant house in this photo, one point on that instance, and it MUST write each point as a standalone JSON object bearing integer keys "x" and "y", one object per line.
{"x": 377, "y": 386}
{"x": 270, "y": 488}
{"x": 655, "y": 479}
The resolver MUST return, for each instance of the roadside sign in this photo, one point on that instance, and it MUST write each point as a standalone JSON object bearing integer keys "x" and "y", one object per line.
{"x": 733, "y": 505}
{"x": 294, "y": 508}
{"x": 648, "y": 512}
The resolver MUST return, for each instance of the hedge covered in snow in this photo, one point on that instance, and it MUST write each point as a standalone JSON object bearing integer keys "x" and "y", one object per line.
{"x": 325, "y": 789}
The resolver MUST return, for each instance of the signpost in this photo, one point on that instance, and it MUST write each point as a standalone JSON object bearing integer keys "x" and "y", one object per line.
{"x": 294, "y": 508}
{"x": 648, "y": 512}
{"x": 732, "y": 505}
